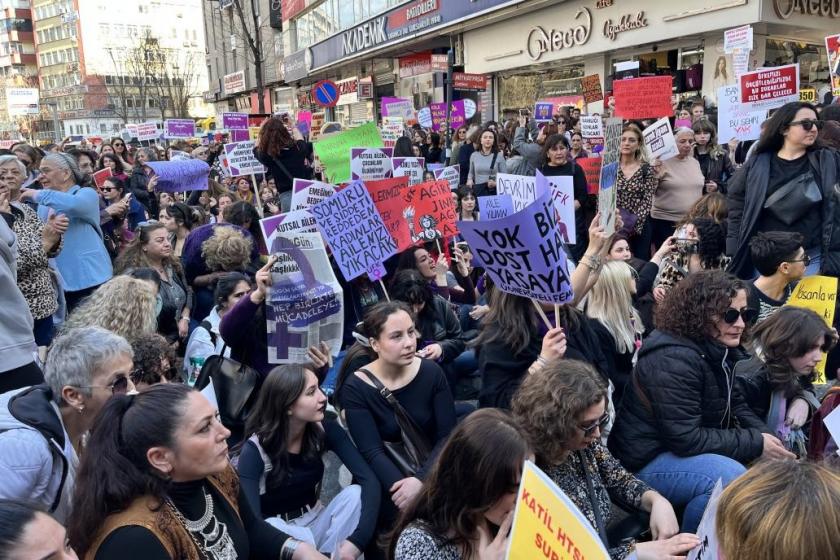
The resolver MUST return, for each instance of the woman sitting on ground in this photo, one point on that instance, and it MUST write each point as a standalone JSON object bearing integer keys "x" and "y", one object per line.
{"x": 281, "y": 467}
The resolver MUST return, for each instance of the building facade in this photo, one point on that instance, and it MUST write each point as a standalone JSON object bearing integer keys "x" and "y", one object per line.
{"x": 18, "y": 66}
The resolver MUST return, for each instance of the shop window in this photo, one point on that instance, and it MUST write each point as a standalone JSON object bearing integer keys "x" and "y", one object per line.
{"x": 813, "y": 63}
{"x": 520, "y": 91}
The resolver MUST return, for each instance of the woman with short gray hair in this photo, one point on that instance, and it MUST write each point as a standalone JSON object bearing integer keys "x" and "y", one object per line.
{"x": 40, "y": 443}
{"x": 84, "y": 262}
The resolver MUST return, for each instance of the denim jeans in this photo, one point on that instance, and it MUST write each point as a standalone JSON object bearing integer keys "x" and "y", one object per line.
{"x": 688, "y": 481}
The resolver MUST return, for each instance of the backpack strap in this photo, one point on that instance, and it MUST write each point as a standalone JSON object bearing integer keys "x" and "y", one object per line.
{"x": 205, "y": 324}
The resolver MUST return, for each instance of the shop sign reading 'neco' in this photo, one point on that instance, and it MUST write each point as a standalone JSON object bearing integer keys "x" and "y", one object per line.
{"x": 541, "y": 41}
{"x": 822, "y": 8}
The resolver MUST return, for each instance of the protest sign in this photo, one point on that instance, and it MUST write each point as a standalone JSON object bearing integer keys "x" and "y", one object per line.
{"x": 592, "y": 168}
{"x": 738, "y": 38}
{"x": 495, "y": 206}
{"x": 305, "y": 306}
{"x": 521, "y": 188}
{"x": 100, "y": 176}
{"x": 643, "y": 98}
{"x": 547, "y": 524}
{"x": 659, "y": 140}
{"x": 424, "y": 117}
{"x": 334, "y": 150}
{"x": 609, "y": 175}
{"x": 297, "y": 221}
{"x": 523, "y": 253}
{"x": 740, "y": 61}
{"x": 735, "y": 121}
{"x": 591, "y": 126}
{"x": 819, "y": 294}
{"x": 306, "y": 193}
{"x": 317, "y": 123}
{"x": 179, "y": 128}
{"x": 682, "y": 123}
{"x": 430, "y": 211}
{"x": 180, "y": 176}
{"x": 543, "y": 111}
{"x": 451, "y": 173}
{"x": 832, "y": 46}
{"x": 235, "y": 121}
{"x": 706, "y": 531}
{"x": 457, "y": 114}
{"x": 438, "y": 111}
{"x": 388, "y": 196}
{"x": 239, "y": 135}
{"x": 392, "y": 129}
{"x": 591, "y": 86}
{"x": 371, "y": 163}
{"x": 304, "y": 122}
{"x": 411, "y": 167}
{"x": 147, "y": 131}
{"x": 241, "y": 159}
{"x": 563, "y": 195}
{"x": 354, "y": 229}
{"x": 397, "y": 107}
{"x": 770, "y": 88}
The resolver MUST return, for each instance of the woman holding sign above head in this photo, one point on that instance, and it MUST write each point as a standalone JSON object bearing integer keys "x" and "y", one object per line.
{"x": 635, "y": 185}
{"x": 562, "y": 409}
{"x": 681, "y": 183}
{"x": 465, "y": 509}
{"x": 485, "y": 163}
{"x": 788, "y": 185}
{"x": 284, "y": 153}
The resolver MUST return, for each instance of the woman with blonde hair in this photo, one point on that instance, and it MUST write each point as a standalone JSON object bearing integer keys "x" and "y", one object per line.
{"x": 617, "y": 323}
{"x": 636, "y": 184}
{"x": 779, "y": 510}
{"x": 123, "y": 305}
{"x": 227, "y": 250}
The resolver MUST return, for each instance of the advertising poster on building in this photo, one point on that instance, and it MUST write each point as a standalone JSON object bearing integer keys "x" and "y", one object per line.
{"x": 523, "y": 253}
{"x": 770, "y": 88}
{"x": 371, "y": 163}
{"x": 411, "y": 167}
{"x": 305, "y": 193}
{"x": 352, "y": 226}
{"x": 241, "y": 159}
{"x": 660, "y": 141}
{"x": 734, "y": 119}
{"x": 643, "y": 98}
{"x": 832, "y": 46}
{"x": 305, "y": 306}
{"x": 545, "y": 519}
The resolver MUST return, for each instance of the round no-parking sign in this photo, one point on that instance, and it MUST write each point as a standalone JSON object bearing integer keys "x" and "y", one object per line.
{"x": 325, "y": 93}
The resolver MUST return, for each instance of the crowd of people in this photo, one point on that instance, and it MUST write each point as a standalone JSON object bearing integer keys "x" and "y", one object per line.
{"x": 677, "y": 365}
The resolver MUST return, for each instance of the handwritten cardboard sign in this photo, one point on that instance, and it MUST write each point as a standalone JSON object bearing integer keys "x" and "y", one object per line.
{"x": 493, "y": 207}
{"x": 411, "y": 167}
{"x": 547, "y": 524}
{"x": 591, "y": 86}
{"x": 523, "y": 253}
{"x": 819, "y": 294}
{"x": 659, "y": 140}
{"x": 770, "y": 88}
{"x": 736, "y": 120}
{"x": 643, "y": 98}
{"x": 592, "y": 168}
{"x": 371, "y": 163}
{"x": 350, "y": 223}
{"x": 591, "y": 126}
{"x": 388, "y": 196}
{"x": 334, "y": 150}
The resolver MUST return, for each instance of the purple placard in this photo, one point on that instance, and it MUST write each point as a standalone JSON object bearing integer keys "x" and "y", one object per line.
{"x": 237, "y": 135}
{"x": 179, "y": 128}
{"x": 235, "y": 121}
{"x": 495, "y": 206}
{"x": 352, "y": 226}
{"x": 180, "y": 175}
{"x": 397, "y": 107}
{"x": 299, "y": 221}
{"x": 457, "y": 114}
{"x": 523, "y": 253}
{"x": 543, "y": 111}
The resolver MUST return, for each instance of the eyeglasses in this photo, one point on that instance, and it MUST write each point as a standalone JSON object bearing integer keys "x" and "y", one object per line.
{"x": 118, "y": 387}
{"x": 808, "y": 124}
{"x": 747, "y": 314}
{"x": 806, "y": 260}
{"x": 600, "y": 423}
{"x": 106, "y": 189}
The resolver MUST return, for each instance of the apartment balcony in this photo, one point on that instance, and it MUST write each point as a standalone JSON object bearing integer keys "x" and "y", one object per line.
{"x": 14, "y": 59}
{"x": 15, "y": 36}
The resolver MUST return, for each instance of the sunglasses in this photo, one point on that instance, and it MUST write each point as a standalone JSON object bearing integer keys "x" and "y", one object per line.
{"x": 806, "y": 260}
{"x": 107, "y": 189}
{"x": 747, "y": 314}
{"x": 118, "y": 387}
{"x": 808, "y": 124}
{"x": 600, "y": 423}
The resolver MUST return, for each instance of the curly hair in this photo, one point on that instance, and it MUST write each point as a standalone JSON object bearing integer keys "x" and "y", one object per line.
{"x": 548, "y": 403}
{"x": 123, "y": 305}
{"x": 691, "y": 308}
{"x": 712, "y": 241}
{"x": 134, "y": 257}
{"x": 150, "y": 349}
{"x": 226, "y": 250}
{"x": 274, "y": 137}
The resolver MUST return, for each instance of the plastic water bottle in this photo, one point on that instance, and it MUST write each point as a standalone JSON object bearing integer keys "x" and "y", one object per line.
{"x": 196, "y": 364}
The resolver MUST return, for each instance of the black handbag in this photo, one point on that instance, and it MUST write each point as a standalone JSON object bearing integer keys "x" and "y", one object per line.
{"x": 794, "y": 199}
{"x": 413, "y": 450}
{"x": 234, "y": 384}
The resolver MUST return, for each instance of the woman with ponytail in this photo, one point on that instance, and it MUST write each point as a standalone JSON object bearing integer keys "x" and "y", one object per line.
{"x": 156, "y": 484}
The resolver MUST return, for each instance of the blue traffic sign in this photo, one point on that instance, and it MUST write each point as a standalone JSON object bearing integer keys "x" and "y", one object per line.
{"x": 325, "y": 93}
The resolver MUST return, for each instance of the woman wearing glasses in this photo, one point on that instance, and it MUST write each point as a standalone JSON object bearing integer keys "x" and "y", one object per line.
{"x": 562, "y": 409}
{"x": 682, "y": 425}
{"x": 43, "y": 426}
{"x": 121, "y": 150}
{"x": 791, "y": 183}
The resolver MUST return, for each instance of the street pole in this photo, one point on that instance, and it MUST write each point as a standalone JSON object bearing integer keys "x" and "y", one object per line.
{"x": 450, "y": 64}
{"x": 54, "y": 107}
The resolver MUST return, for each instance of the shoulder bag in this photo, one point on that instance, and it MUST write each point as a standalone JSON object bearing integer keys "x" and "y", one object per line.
{"x": 481, "y": 189}
{"x": 794, "y": 199}
{"x": 234, "y": 384}
{"x": 413, "y": 450}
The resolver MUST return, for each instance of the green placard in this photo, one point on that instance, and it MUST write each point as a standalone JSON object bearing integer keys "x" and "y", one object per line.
{"x": 334, "y": 150}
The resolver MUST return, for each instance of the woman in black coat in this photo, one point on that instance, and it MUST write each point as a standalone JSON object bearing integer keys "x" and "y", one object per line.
{"x": 285, "y": 154}
{"x": 682, "y": 425}
{"x": 788, "y": 185}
